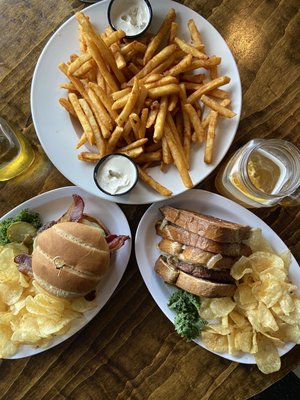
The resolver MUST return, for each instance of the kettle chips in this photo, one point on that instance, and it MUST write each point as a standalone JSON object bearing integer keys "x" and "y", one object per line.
{"x": 264, "y": 313}
{"x": 29, "y": 315}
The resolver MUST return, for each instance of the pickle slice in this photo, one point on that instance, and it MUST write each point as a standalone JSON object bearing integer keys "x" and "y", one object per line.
{"x": 17, "y": 248}
{"x": 21, "y": 232}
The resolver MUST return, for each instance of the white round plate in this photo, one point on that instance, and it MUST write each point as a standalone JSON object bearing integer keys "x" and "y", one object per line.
{"x": 211, "y": 204}
{"x": 53, "y": 204}
{"x": 58, "y": 135}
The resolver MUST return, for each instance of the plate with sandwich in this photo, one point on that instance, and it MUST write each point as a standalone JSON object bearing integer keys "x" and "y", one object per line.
{"x": 197, "y": 243}
{"x": 70, "y": 249}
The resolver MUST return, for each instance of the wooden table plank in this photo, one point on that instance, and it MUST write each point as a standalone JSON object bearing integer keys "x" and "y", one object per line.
{"x": 130, "y": 350}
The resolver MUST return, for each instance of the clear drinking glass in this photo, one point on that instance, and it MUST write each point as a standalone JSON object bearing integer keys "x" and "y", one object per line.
{"x": 16, "y": 153}
{"x": 262, "y": 173}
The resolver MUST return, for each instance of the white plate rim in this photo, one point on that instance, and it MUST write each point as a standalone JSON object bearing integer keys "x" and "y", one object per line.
{"x": 215, "y": 204}
{"x": 140, "y": 194}
{"x": 119, "y": 260}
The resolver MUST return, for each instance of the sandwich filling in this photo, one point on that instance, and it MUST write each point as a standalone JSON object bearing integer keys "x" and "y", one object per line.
{"x": 200, "y": 271}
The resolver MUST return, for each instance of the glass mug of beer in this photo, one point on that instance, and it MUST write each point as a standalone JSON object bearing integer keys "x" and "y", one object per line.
{"x": 16, "y": 153}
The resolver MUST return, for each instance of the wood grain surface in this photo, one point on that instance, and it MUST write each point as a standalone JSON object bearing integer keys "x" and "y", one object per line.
{"x": 130, "y": 350}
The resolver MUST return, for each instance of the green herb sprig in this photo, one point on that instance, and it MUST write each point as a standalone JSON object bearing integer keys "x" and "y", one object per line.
{"x": 187, "y": 321}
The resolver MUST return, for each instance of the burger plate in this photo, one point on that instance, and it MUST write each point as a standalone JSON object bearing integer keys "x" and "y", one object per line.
{"x": 210, "y": 204}
{"x": 53, "y": 204}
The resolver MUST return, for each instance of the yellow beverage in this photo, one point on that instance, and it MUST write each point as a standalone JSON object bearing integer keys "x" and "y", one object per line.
{"x": 265, "y": 172}
{"x": 16, "y": 153}
{"x": 261, "y": 174}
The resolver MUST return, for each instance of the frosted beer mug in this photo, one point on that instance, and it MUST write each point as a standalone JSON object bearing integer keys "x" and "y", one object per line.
{"x": 16, "y": 153}
{"x": 262, "y": 173}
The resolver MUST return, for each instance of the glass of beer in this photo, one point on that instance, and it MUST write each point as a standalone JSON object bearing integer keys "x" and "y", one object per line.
{"x": 16, "y": 153}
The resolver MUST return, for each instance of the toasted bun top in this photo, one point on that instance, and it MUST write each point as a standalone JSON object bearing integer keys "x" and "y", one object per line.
{"x": 70, "y": 257}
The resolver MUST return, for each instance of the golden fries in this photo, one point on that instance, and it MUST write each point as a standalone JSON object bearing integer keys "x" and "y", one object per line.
{"x": 207, "y": 87}
{"x": 187, "y": 48}
{"x": 195, "y": 120}
{"x": 145, "y": 98}
{"x": 164, "y": 29}
{"x": 195, "y": 34}
{"x": 178, "y": 158}
{"x": 214, "y": 105}
{"x": 104, "y": 50}
{"x": 143, "y": 124}
{"x": 146, "y": 178}
{"x": 163, "y": 55}
{"x": 132, "y": 99}
{"x": 82, "y": 117}
{"x": 211, "y": 133}
{"x": 114, "y": 138}
{"x": 68, "y": 106}
{"x": 160, "y": 119}
{"x": 135, "y": 124}
{"x": 173, "y": 32}
{"x": 164, "y": 90}
{"x": 152, "y": 114}
{"x": 182, "y": 66}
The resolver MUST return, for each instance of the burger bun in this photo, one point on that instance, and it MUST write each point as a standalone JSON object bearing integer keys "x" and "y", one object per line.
{"x": 70, "y": 259}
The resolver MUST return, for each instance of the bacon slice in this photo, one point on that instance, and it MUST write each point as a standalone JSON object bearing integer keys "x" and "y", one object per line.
{"x": 74, "y": 212}
{"x": 91, "y": 295}
{"x": 45, "y": 226}
{"x": 116, "y": 241}
{"x": 24, "y": 264}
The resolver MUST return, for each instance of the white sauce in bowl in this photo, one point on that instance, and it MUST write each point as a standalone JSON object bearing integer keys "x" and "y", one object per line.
{"x": 132, "y": 16}
{"x": 115, "y": 175}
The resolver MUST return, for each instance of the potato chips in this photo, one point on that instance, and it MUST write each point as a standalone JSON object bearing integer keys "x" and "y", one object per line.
{"x": 28, "y": 314}
{"x": 264, "y": 314}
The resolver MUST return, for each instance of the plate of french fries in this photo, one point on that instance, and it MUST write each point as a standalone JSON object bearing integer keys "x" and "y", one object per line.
{"x": 260, "y": 323}
{"x": 170, "y": 100}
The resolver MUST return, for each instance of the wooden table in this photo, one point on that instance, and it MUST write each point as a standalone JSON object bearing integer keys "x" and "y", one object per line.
{"x": 130, "y": 350}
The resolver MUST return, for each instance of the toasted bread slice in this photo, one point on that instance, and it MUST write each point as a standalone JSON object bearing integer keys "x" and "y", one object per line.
{"x": 166, "y": 271}
{"x": 178, "y": 234}
{"x": 197, "y": 286}
{"x": 210, "y": 227}
{"x": 204, "y": 288}
{"x": 195, "y": 255}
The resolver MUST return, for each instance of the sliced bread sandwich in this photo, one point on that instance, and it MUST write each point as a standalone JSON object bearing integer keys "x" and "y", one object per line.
{"x": 197, "y": 257}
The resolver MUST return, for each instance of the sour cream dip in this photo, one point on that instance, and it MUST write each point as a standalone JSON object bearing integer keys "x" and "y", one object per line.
{"x": 115, "y": 174}
{"x": 132, "y": 16}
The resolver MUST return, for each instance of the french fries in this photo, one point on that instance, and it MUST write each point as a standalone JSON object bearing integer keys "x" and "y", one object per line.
{"x": 87, "y": 129}
{"x": 149, "y": 99}
{"x": 214, "y": 105}
{"x": 160, "y": 119}
{"x": 207, "y": 87}
{"x": 146, "y": 178}
{"x": 196, "y": 122}
{"x": 187, "y": 48}
{"x": 162, "y": 32}
{"x": 211, "y": 133}
{"x": 128, "y": 108}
